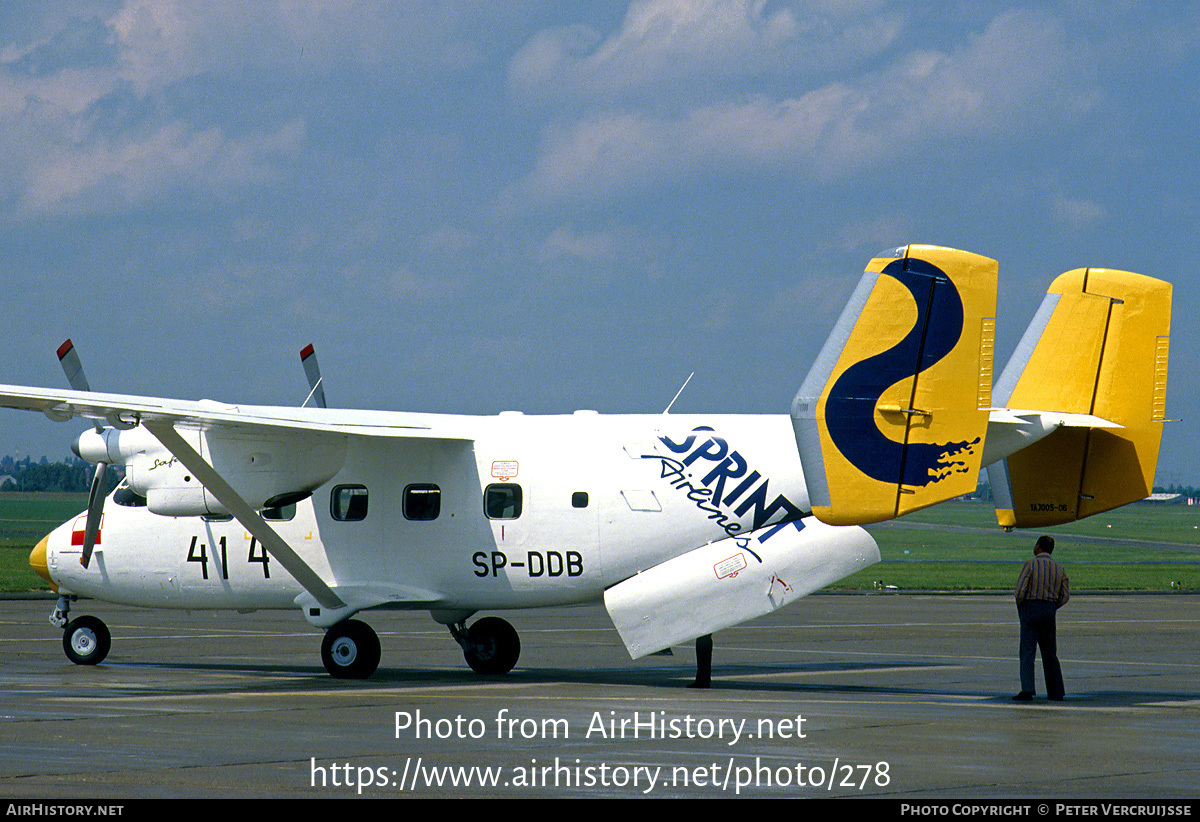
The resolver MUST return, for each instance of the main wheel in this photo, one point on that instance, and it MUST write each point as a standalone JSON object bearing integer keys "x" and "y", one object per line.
{"x": 86, "y": 640}
{"x": 493, "y": 646}
{"x": 350, "y": 650}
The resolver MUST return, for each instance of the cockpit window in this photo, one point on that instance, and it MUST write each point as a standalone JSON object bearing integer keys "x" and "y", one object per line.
{"x": 124, "y": 495}
{"x": 280, "y": 513}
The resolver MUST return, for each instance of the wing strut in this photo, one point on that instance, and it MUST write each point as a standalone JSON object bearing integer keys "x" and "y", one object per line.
{"x": 247, "y": 516}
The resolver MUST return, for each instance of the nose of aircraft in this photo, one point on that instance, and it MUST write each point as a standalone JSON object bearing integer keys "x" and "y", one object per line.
{"x": 37, "y": 560}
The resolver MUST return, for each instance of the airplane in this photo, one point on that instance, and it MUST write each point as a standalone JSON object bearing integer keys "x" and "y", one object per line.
{"x": 681, "y": 524}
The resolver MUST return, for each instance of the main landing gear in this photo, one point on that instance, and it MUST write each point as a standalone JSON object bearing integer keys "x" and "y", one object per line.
{"x": 86, "y": 639}
{"x": 350, "y": 649}
{"x": 491, "y": 645}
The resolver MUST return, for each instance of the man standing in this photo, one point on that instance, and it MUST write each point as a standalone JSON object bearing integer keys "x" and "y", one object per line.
{"x": 1042, "y": 589}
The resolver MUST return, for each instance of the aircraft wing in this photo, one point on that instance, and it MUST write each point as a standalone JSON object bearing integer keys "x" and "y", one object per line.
{"x": 125, "y": 411}
{"x": 304, "y": 448}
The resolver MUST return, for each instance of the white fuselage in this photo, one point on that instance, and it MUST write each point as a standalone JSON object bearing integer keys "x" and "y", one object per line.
{"x": 601, "y": 498}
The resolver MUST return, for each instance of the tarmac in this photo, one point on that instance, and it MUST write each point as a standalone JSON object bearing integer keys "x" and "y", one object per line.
{"x": 885, "y": 696}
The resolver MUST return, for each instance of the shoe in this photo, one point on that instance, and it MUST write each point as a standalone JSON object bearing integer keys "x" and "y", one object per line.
{"x": 1024, "y": 696}
{"x": 1058, "y": 698}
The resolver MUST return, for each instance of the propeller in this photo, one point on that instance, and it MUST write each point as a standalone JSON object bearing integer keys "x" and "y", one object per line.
{"x": 308, "y": 357}
{"x": 68, "y": 357}
{"x": 72, "y": 367}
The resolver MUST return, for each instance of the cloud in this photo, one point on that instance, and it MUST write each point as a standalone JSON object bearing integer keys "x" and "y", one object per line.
{"x": 450, "y": 240}
{"x": 681, "y": 48}
{"x": 588, "y": 246}
{"x": 100, "y": 175}
{"x": 1078, "y": 213}
{"x": 165, "y": 41}
{"x": 1020, "y": 75}
{"x": 128, "y": 104}
{"x": 872, "y": 235}
{"x": 406, "y": 284}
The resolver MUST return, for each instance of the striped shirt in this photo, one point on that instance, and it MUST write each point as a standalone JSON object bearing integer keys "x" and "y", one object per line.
{"x": 1043, "y": 579}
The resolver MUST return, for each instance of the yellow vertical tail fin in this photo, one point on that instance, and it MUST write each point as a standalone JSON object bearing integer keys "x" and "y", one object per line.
{"x": 1097, "y": 346}
{"x": 893, "y": 415}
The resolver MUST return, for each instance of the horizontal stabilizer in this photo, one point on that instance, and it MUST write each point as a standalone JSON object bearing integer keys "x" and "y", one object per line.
{"x": 728, "y": 582}
{"x": 893, "y": 415}
{"x": 1097, "y": 348}
{"x": 1011, "y": 430}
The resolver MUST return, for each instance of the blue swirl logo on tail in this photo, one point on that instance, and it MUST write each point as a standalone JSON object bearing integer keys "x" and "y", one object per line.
{"x": 850, "y": 407}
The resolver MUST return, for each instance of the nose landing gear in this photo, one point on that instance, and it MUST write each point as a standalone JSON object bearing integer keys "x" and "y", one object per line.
{"x": 86, "y": 639}
{"x": 350, "y": 650}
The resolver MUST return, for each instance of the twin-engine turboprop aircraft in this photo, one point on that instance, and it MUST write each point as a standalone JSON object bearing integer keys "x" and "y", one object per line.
{"x": 682, "y": 524}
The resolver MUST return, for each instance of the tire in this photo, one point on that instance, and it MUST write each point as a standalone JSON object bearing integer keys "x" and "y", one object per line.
{"x": 350, "y": 650}
{"x": 86, "y": 640}
{"x": 493, "y": 646}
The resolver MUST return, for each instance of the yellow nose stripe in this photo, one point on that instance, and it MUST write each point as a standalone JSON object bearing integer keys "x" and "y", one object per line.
{"x": 37, "y": 561}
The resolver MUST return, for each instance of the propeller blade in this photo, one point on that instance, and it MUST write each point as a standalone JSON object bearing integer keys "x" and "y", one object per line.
{"x": 95, "y": 511}
{"x": 73, "y": 368}
{"x": 308, "y": 357}
{"x": 69, "y": 357}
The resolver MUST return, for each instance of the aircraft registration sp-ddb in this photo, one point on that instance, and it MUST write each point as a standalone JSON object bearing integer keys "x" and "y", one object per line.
{"x": 682, "y": 524}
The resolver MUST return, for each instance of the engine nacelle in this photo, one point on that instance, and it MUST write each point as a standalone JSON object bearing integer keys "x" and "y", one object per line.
{"x": 728, "y": 582}
{"x": 274, "y": 468}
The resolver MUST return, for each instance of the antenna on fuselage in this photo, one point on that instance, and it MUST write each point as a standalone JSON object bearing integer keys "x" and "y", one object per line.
{"x": 667, "y": 410}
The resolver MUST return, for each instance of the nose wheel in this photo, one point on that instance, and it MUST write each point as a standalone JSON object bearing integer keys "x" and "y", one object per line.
{"x": 350, "y": 650}
{"x": 86, "y": 640}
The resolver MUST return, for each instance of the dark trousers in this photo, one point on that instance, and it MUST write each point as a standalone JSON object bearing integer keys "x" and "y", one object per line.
{"x": 704, "y": 648}
{"x": 1037, "y": 631}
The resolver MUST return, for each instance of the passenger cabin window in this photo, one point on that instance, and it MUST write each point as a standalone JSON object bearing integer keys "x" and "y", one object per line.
{"x": 422, "y": 501}
{"x": 579, "y": 499}
{"x": 348, "y": 503}
{"x": 502, "y": 500}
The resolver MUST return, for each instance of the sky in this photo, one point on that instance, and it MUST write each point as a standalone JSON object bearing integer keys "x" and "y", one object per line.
{"x": 473, "y": 207}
